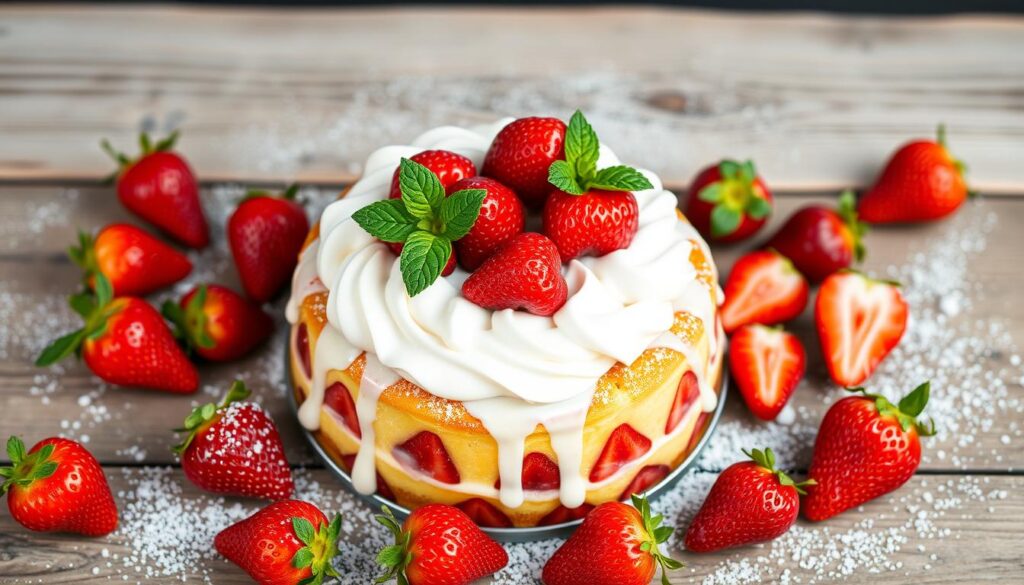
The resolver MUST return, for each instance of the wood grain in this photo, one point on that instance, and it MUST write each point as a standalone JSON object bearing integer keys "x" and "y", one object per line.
{"x": 36, "y": 276}
{"x": 988, "y": 522}
{"x": 817, "y": 101}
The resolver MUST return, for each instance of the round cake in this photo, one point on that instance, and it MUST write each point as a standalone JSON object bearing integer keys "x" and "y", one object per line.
{"x": 518, "y": 419}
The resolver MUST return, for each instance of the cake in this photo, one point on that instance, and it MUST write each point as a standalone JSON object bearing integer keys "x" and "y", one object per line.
{"x": 518, "y": 419}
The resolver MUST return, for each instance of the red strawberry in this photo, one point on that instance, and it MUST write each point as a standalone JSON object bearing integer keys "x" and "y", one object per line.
{"x": 767, "y": 364}
{"x": 624, "y": 445}
{"x": 266, "y": 234}
{"x": 687, "y": 394}
{"x": 134, "y": 262}
{"x": 820, "y": 240}
{"x": 866, "y": 447}
{"x": 764, "y": 288}
{"x": 338, "y": 399}
{"x": 525, "y": 273}
{"x": 438, "y": 545}
{"x": 484, "y": 513}
{"x": 449, "y": 167}
{"x": 218, "y": 323}
{"x": 751, "y": 502}
{"x": 234, "y": 448}
{"x": 617, "y": 543}
{"x": 521, "y": 154}
{"x": 562, "y": 514}
{"x": 501, "y": 217}
{"x": 595, "y": 223}
{"x": 922, "y": 182}
{"x": 57, "y": 486}
{"x": 286, "y": 543}
{"x": 645, "y": 479}
{"x": 125, "y": 342}
{"x": 302, "y": 349}
{"x": 728, "y": 202}
{"x": 540, "y": 473}
{"x": 425, "y": 451}
{"x": 160, "y": 188}
{"x": 859, "y": 321}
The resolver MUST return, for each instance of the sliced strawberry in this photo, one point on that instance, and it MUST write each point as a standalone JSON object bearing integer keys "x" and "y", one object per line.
{"x": 686, "y": 396}
{"x": 485, "y": 514}
{"x": 646, "y": 478}
{"x": 338, "y": 399}
{"x": 624, "y": 445}
{"x": 302, "y": 347}
{"x": 767, "y": 364}
{"x": 540, "y": 473}
{"x": 698, "y": 431}
{"x": 448, "y": 166}
{"x": 562, "y": 514}
{"x": 764, "y": 288}
{"x": 425, "y": 452}
{"x": 859, "y": 321}
{"x": 347, "y": 461}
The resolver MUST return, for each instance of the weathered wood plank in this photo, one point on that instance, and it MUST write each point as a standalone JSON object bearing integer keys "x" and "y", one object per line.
{"x": 818, "y": 101}
{"x": 894, "y": 539}
{"x": 126, "y": 426}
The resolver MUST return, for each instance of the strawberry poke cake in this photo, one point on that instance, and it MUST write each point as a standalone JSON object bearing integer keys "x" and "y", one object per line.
{"x": 507, "y": 319}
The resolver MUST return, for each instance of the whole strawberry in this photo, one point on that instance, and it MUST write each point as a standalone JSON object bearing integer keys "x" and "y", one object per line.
{"x": 751, "y": 502}
{"x": 287, "y": 543}
{"x": 234, "y": 448}
{"x": 921, "y": 182}
{"x": 591, "y": 211}
{"x": 763, "y": 287}
{"x": 866, "y": 447}
{"x": 126, "y": 342}
{"x": 57, "y": 486}
{"x": 266, "y": 234}
{"x": 617, "y": 543}
{"x": 767, "y": 363}
{"x": 728, "y": 202}
{"x": 449, "y": 167}
{"x": 134, "y": 262}
{"x": 819, "y": 240}
{"x": 423, "y": 224}
{"x": 525, "y": 273}
{"x": 160, "y": 188}
{"x": 438, "y": 545}
{"x": 501, "y": 217}
{"x": 522, "y": 153}
{"x": 218, "y": 323}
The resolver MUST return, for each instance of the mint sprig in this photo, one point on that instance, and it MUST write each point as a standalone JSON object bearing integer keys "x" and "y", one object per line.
{"x": 578, "y": 173}
{"x": 424, "y": 220}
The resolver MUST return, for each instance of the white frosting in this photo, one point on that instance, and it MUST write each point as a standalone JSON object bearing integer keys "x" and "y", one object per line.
{"x": 513, "y": 370}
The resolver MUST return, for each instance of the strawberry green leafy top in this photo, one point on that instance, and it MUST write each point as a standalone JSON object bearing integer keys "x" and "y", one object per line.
{"x": 578, "y": 173}
{"x": 424, "y": 220}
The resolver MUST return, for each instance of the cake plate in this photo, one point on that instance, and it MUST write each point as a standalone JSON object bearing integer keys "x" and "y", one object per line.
{"x": 526, "y": 534}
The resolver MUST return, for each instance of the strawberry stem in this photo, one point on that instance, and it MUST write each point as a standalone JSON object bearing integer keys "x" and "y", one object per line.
{"x": 190, "y": 322}
{"x": 848, "y": 213}
{"x": 321, "y": 548}
{"x": 95, "y": 309}
{"x": 396, "y": 557}
{"x": 657, "y": 534}
{"x": 25, "y": 468}
{"x": 766, "y": 459}
{"x": 202, "y": 416}
{"x": 907, "y": 410}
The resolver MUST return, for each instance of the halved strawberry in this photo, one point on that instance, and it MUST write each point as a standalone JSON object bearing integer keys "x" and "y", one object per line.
{"x": 347, "y": 461}
{"x": 859, "y": 321}
{"x": 484, "y": 513}
{"x": 624, "y": 445}
{"x": 764, "y": 288}
{"x": 563, "y": 514}
{"x": 767, "y": 364}
{"x": 540, "y": 473}
{"x": 338, "y": 399}
{"x": 425, "y": 452}
{"x": 646, "y": 478}
{"x": 686, "y": 395}
{"x": 302, "y": 347}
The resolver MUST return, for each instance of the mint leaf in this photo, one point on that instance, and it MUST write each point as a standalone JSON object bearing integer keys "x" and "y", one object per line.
{"x": 423, "y": 258}
{"x": 620, "y": 178}
{"x": 387, "y": 220}
{"x": 422, "y": 192}
{"x": 562, "y": 175}
{"x": 581, "y": 147}
{"x": 459, "y": 212}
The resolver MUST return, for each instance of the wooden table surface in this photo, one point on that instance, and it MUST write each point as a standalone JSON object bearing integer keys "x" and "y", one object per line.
{"x": 267, "y": 97}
